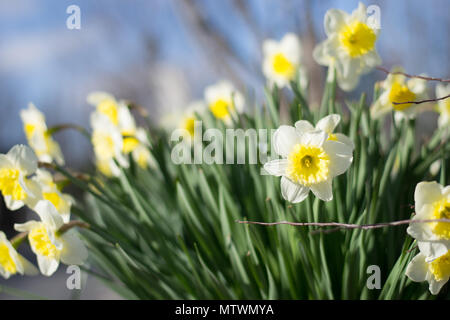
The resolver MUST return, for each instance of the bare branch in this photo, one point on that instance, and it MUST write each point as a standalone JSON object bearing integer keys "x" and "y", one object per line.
{"x": 423, "y": 101}
{"x": 339, "y": 226}
{"x": 412, "y": 76}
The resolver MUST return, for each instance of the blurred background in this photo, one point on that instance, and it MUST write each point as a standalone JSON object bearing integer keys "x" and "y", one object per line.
{"x": 162, "y": 53}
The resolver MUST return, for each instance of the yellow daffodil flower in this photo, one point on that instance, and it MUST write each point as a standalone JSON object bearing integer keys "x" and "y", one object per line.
{"x": 223, "y": 101}
{"x": 62, "y": 202}
{"x": 432, "y": 201}
{"x": 281, "y": 59}
{"x": 350, "y": 46}
{"x": 49, "y": 246}
{"x": 15, "y": 185}
{"x": 443, "y": 106}
{"x": 11, "y": 262}
{"x": 309, "y": 161}
{"x": 38, "y": 136}
{"x": 108, "y": 145}
{"x": 436, "y": 272}
{"x": 396, "y": 88}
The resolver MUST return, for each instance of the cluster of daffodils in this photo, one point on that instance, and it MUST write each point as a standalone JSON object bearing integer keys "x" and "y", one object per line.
{"x": 22, "y": 183}
{"x": 311, "y": 158}
{"x": 432, "y": 264}
{"x": 115, "y": 135}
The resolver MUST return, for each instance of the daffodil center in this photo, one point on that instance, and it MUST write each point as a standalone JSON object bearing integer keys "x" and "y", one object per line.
{"x": 440, "y": 267}
{"x": 130, "y": 142}
{"x": 308, "y": 165}
{"x": 401, "y": 93}
{"x": 41, "y": 243}
{"x": 189, "y": 125}
{"x": 357, "y": 38}
{"x": 9, "y": 184}
{"x": 442, "y": 211}
{"x": 282, "y": 66}
{"x": 29, "y": 130}
{"x": 221, "y": 108}
{"x": 6, "y": 261}
{"x": 108, "y": 107}
{"x": 103, "y": 144}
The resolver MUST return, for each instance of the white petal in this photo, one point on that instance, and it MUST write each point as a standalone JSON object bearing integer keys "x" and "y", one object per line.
{"x": 12, "y": 204}
{"x": 23, "y": 157}
{"x": 371, "y": 60}
{"x": 422, "y": 231}
{"x": 381, "y": 106}
{"x": 321, "y": 55}
{"x": 433, "y": 249}
{"x": 47, "y": 266}
{"x": 303, "y": 126}
{"x": 323, "y": 190}
{"x": 314, "y": 138}
{"x": 328, "y": 123}
{"x": 276, "y": 167}
{"x": 74, "y": 251}
{"x": 427, "y": 193}
{"x": 417, "y": 269}
{"x": 284, "y": 138}
{"x": 96, "y": 97}
{"x": 48, "y": 214}
{"x": 345, "y": 140}
{"x": 332, "y": 147}
{"x": 293, "y": 192}
{"x": 291, "y": 47}
{"x": 25, "y": 227}
{"x": 334, "y": 20}
{"x": 436, "y": 286}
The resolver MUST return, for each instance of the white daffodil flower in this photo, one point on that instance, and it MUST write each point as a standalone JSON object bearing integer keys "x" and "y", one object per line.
{"x": 15, "y": 168}
{"x": 350, "y": 46}
{"x": 49, "y": 246}
{"x": 38, "y": 136}
{"x": 106, "y": 105}
{"x": 396, "y": 88}
{"x": 309, "y": 161}
{"x": 436, "y": 272}
{"x": 443, "y": 106}
{"x": 224, "y": 100}
{"x": 108, "y": 145}
{"x": 281, "y": 59}
{"x": 327, "y": 124}
{"x": 50, "y": 191}
{"x": 432, "y": 201}
{"x": 11, "y": 262}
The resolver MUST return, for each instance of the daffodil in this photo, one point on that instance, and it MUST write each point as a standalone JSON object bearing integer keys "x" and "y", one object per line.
{"x": 349, "y": 47}
{"x": 432, "y": 201}
{"x": 49, "y": 245}
{"x": 396, "y": 88}
{"x": 16, "y": 167}
{"x": 443, "y": 106}
{"x": 436, "y": 272}
{"x": 11, "y": 262}
{"x": 108, "y": 145}
{"x": 281, "y": 59}
{"x": 39, "y": 137}
{"x": 106, "y": 105}
{"x": 327, "y": 124}
{"x": 224, "y": 101}
{"x": 50, "y": 191}
{"x": 309, "y": 161}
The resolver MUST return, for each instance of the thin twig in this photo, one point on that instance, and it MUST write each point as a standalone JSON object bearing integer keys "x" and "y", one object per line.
{"x": 412, "y": 76}
{"x": 423, "y": 101}
{"x": 339, "y": 226}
